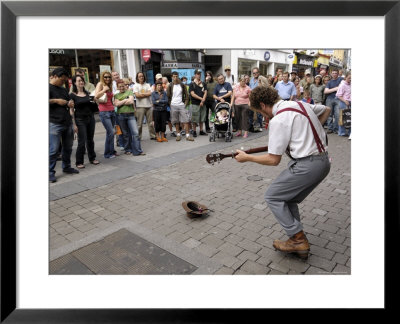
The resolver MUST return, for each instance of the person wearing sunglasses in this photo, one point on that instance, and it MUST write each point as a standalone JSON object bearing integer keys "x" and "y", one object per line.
{"x": 107, "y": 113}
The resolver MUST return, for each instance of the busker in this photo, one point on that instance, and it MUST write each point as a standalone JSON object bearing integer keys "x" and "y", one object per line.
{"x": 296, "y": 128}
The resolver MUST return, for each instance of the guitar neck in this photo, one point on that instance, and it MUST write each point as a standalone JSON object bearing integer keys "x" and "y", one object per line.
{"x": 255, "y": 150}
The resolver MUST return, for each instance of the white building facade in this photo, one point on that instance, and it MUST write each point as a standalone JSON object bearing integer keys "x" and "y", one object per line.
{"x": 242, "y": 61}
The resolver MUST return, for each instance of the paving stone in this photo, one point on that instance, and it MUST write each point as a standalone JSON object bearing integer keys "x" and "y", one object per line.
{"x": 327, "y": 227}
{"x": 319, "y": 212}
{"x": 191, "y": 243}
{"x": 248, "y": 234}
{"x": 278, "y": 267}
{"x": 247, "y": 255}
{"x": 230, "y": 249}
{"x": 224, "y": 271}
{"x": 340, "y": 258}
{"x": 178, "y": 237}
{"x": 206, "y": 250}
{"x": 250, "y": 245}
{"x": 341, "y": 270}
{"x": 224, "y": 259}
{"x": 322, "y": 252}
{"x": 316, "y": 240}
{"x": 336, "y": 247}
{"x": 316, "y": 271}
{"x": 253, "y": 268}
{"x": 295, "y": 264}
{"x": 322, "y": 263}
{"x": 212, "y": 241}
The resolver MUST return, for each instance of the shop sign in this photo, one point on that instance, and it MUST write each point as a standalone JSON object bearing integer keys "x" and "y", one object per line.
{"x": 176, "y": 65}
{"x": 188, "y": 73}
{"x": 303, "y": 61}
{"x": 334, "y": 61}
{"x": 267, "y": 56}
{"x": 56, "y": 51}
{"x": 146, "y": 54}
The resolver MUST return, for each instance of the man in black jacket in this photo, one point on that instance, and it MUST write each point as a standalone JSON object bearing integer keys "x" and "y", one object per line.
{"x": 60, "y": 123}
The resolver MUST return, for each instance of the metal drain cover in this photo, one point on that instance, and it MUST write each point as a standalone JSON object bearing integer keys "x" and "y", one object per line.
{"x": 254, "y": 178}
{"x": 121, "y": 253}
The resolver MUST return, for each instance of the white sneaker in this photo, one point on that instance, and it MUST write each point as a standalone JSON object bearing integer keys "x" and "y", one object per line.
{"x": 350, "y": 137}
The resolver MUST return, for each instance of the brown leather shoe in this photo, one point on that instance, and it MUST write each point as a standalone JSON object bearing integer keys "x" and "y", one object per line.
{"x": 298, "y": 244}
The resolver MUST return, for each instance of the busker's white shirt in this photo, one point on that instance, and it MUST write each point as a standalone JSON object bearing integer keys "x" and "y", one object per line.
{"x": 293, "y": 129}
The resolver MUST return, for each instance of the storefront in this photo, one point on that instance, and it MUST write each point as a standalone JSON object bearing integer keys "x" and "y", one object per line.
{"x": 92, "y": 61}
{"x": 267, "y": 61}
{"x": 185, "y": 62}
{"x": 302, "y": 63}
{"x": 335, "y": 63}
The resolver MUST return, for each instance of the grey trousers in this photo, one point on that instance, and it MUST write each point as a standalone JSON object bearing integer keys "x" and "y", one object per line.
{"x": 140, "y": 113}
{"x": 292, "y": 186}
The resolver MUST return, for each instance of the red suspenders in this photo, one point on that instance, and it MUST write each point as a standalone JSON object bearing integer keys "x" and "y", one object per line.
{"x": 304, "y": 112}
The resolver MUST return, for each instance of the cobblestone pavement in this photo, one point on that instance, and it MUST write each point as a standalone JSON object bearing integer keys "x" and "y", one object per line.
{"x": 144, "y": 194}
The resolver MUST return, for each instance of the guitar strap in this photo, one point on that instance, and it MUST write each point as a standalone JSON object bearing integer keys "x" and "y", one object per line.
{"x": 318, "y": 141}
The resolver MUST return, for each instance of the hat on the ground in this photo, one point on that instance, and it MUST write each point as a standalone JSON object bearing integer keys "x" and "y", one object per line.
{"x": 158, "y": 76}
{"x": 227, "y": 67}
{"x": 194, "y": 209}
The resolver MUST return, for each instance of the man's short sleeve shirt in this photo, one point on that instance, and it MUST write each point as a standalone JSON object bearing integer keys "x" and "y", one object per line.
{"x": 142, "y": 88}
{"x": 222, "y": 89}
{"x": 333, "y": 84}
{"x": 198, "y": 89}
{"x": 293, "y": 129}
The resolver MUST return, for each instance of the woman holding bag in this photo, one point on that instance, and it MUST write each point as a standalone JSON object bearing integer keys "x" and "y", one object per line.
{"x": 240, "y": 101}
{"x": 344, "y": 96}
{"x": 104, "y": 97}
{"x": 82, "y": 114}
{"x": 124, "y": 102}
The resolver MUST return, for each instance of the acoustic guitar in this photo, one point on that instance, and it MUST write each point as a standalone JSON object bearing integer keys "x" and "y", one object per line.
{"x": 218, "y": 157}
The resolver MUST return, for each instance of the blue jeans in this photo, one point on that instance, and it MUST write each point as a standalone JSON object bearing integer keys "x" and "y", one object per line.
{"x": 343, "y": 130}
{"x": 60, "y": 133}
{"x": 251, "y": 119}
{"x": 120, "y": 138}
{"x": 108, "y": 120}
{"x": 130, "y": 132}
{"x": 333, "y": 118}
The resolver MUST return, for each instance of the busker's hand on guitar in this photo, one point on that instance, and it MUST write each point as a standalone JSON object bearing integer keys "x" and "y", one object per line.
{"x": 241, "y": 156}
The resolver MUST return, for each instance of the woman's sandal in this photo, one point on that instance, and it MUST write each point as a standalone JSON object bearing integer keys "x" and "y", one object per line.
{"x": 95, "y": 162}
{"x": 80, "y": 166}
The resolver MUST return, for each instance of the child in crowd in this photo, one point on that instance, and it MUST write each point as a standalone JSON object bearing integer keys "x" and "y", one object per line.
{"x": 222, "y": 116}
{"x": 306, "y": 97}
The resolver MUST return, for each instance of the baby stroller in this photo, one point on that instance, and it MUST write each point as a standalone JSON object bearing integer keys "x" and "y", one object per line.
{"x": 221, "y": 122}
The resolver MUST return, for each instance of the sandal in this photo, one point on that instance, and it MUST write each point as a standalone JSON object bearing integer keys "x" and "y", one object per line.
{"x": 95, "y": 162}
{"x": 128, "y": 153}
{"x": 80, "y": 166}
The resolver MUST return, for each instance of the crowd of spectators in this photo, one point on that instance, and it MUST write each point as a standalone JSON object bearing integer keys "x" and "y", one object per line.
{"x": 124, "y": 106}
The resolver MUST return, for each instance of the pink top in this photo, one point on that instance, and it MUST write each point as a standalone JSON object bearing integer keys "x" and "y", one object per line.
{"x": 344, "y": 91}
{"x": 108, "y": 106}
{"x": 241, "y": 94}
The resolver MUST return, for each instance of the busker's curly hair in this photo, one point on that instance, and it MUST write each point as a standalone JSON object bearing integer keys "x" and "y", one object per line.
{"x": 267, "y": 95}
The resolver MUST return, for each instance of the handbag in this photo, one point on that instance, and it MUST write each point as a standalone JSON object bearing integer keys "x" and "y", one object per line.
{"x": 346, "y": 117}
{"x": 103, "y": 98}
{"x": 93, "y": 104}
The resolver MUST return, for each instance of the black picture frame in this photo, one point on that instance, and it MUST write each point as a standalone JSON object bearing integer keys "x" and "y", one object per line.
{"x": 10, "y": 10}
